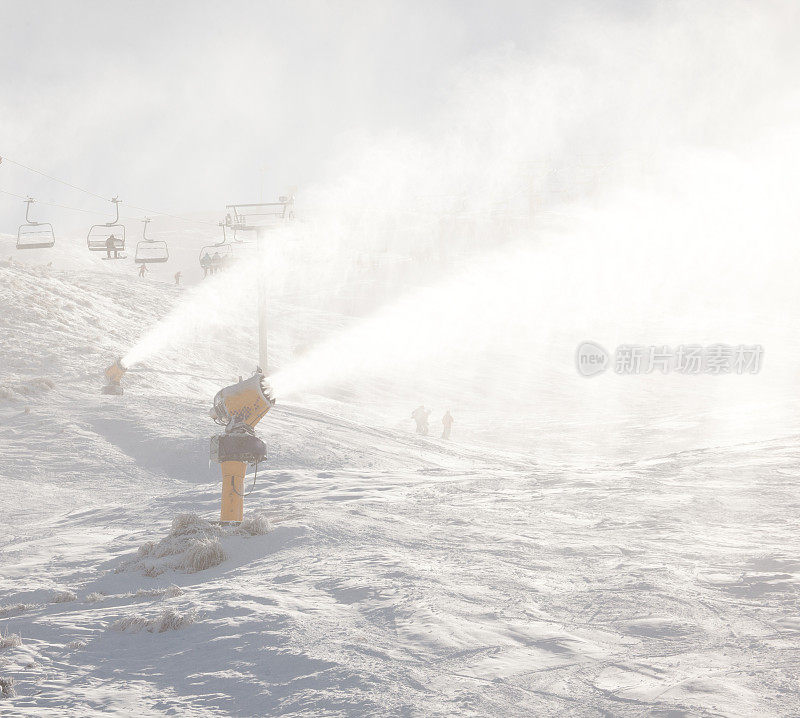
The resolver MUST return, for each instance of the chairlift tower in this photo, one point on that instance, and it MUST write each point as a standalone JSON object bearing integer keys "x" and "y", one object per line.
{"x": 260, "y": 218}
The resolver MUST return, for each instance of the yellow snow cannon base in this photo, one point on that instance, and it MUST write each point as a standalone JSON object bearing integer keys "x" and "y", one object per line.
{"x": 232, "y": 491}
{"x": 114, "y": 374}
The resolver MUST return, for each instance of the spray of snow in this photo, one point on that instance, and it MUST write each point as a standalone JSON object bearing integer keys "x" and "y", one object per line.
{"x": 217, "y": 301}
{"x": 675, "y": 231}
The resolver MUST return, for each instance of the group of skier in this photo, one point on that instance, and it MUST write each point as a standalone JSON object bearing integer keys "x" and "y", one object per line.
{"x": 211, "y": 264}
{"x": 143, "y": 270}
{"x": 420, "y": 416}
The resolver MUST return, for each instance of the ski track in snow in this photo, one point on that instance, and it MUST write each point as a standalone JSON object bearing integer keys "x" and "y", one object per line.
{"x": 402, "y": 575}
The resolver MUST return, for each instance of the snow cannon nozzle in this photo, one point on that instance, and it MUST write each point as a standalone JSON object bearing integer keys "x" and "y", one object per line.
{"x": 114, "y": 374}
{"x": 247, "y": 400}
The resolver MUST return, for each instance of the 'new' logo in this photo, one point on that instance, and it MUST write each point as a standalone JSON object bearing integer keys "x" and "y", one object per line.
{"x": 591, "y": 359}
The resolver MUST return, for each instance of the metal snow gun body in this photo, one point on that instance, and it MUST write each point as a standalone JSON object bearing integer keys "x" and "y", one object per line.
{"x": 239, "y": 408}
{"x": 114, "y": 374}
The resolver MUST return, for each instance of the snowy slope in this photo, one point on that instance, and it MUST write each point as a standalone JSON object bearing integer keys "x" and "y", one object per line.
{"x": 401, "y": 575}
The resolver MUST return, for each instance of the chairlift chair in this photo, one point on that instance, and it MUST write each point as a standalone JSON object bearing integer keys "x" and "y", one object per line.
{"x": 223, "y": 251}
{"x": 99, "y": 234}
{"x": 150, "y": 251}
{"x": 34, "y": 235}
{"x": 248, "y": 217}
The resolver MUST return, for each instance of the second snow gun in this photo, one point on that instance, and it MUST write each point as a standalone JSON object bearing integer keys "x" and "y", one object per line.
{"x": 114, "y": 374}
{"x": 239, "y": 408}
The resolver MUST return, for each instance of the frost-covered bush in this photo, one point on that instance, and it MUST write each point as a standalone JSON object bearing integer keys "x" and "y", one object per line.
{"x": 202, "y": 554}
{"x": 133, "y": 624}
{"x": 168, "y": 620}
{"x": 63, "y": 597}
{"x": 10, "y": 640}
{"x": 6, "y": 687}
{"x": 77, "y": 643}
{"x": 172, "y": 620}
{"x": 170, "y": 592}
{"x": 11, "y": 609}
{"x": 192, "y": 544}
{"x": 184, "y": 524}
{"x": 32, "y": 387}
{"x": 94, "y": 597}
{"x": 255, "y": 524}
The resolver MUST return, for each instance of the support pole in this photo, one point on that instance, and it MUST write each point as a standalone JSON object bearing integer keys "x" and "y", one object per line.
{"x": 262, "y": 304}
{"x": 232, "y": 490}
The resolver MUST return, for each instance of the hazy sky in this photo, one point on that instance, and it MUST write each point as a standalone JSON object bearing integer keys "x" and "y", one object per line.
{"x": 184, "y": 106}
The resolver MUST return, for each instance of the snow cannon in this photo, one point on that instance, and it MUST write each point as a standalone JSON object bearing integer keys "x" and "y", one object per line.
{"x": 239, "y": 408}
{"x": 114, "y": 375}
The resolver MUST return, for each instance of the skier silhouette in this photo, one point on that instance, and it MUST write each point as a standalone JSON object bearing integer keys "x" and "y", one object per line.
{"x": 177, "y": 278}
{"x": 447, "y": 424}
{"x": 142, "y": 270}
{"x": 420, "y": 415}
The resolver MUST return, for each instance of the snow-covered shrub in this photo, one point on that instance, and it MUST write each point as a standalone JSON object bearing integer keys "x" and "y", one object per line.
{"x": 94, "y": 597}
{"x": 11, "y": 609}
{"x": 255, "y": 524}
{"x": 147, "y": 548}
{"x": 35, "y": 386}
{"x": 152, "y": 570}
{"x": 134, "y": 623}
{"x": 204, "y": 553}
{"x": 184, "y": 524}
{"x": 77, "y": 643}
{"x": 172, "y": 620}
{"x": 193, "y": 544}
{"x": 32, "y": 387}
{"x": 63, "y": 597}
{"x": 171, "y": 592}
{"x": 6, "y": 687}
{"x": 10, "y": 640}
{"x": 168, "y": 620}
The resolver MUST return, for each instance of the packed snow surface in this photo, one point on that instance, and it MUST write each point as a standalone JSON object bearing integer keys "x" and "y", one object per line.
{"x": 379, "y": 572}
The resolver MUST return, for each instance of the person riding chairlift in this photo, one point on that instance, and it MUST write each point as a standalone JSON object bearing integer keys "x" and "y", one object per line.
{"x": 112, "y": 246}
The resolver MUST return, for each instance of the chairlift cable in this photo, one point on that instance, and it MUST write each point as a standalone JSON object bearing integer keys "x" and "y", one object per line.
{"x": 173, "y": 216}
{"x": 12, "y": 194}
{"x": 55, "y": 179}
{"x": 94, "y": 194}
{"x": 64, "y": 206}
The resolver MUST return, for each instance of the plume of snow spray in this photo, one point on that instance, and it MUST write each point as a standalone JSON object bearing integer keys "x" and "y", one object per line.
{"x": 670, "y": 201}
{"x": 220, "y": 300}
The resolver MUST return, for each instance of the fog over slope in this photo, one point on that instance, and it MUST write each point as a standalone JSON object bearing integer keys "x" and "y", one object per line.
{"x": 476, "y": 195}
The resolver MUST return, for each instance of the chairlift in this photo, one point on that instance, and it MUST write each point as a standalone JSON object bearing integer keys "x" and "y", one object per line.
{"x": 216, "y": 256}
{"x": 252, "y": 217}
{"x": 239, "y": 225}
{"x": 34, "y": 235}
{"x": 150, "y": 251}
{"x": 99, "y": 234}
